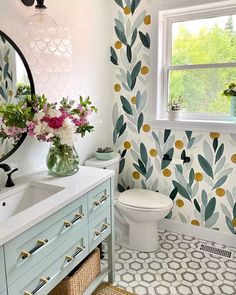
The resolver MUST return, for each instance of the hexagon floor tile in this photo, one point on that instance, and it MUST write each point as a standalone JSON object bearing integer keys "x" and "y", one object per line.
{"x": 177, "y": 268}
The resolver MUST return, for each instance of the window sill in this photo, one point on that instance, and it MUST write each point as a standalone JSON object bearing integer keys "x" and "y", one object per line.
{"x": 195, "y": 125}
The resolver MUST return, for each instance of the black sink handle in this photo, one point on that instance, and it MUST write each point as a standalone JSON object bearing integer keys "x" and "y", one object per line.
{"x": 10, "y": 182}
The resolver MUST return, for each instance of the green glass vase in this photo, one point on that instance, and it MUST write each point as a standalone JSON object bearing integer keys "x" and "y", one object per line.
{"x": 62, "y": 160}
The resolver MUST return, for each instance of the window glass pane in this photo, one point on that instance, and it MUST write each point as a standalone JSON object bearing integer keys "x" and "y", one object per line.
{"x": 201, "y": 90}
{"x": 204, "y": 41}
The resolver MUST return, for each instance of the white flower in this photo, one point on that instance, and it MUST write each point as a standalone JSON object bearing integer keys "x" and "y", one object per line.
{"x": 41, "y": 128}
{"x": 67, "y": 132}
{"x": 53, "y": 113}
{"x": 38, "y": 117}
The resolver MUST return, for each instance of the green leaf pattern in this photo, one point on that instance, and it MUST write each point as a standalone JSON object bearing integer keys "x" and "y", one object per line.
{"x": 199, "y": 184}
{"x": 6, "y": 74}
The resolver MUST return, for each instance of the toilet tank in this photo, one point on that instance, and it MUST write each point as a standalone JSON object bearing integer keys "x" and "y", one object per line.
{"x": 112, "y": 164}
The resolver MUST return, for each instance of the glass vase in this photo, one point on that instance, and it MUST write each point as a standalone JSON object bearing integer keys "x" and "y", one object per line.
{"x": 62, "y": 160}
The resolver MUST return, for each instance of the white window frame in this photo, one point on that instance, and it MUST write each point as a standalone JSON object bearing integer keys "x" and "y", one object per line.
{"x": 164, "y": 48}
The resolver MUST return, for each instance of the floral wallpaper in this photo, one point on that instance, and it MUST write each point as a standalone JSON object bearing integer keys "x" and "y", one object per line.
{"x": 196, "y": 170}
{"x": 7, "y": 87}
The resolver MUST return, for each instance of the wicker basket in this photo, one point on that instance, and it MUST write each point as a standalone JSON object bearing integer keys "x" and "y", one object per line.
{"x": 82, "y": 278}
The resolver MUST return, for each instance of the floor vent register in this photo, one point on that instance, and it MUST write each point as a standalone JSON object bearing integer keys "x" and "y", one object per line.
{"x": 216, "y": 251}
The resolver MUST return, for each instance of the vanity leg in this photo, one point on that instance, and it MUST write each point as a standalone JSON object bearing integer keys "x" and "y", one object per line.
{"x": 111, "y": 240}
{"x": 111, "y": 259}
{"x": 100, "y": 247}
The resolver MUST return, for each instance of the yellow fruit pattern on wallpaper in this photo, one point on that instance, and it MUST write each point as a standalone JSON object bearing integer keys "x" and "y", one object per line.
{"x": 127, "y": 145}
{"x": 166, "y": 172}
{"x": 144, "y": 70}
{"x": 153, "y": 152}
{"x": 214, "y": 135}
{"x": 136, "y": 175}
{"x": 118, "y": 45}
{"x": 233, "y": 158}
{"x": 147, "y": 20}
{"x": 204, "y": 156}
{"x": 234, "y": 222}
{"x": 133, "y": 100}
{"x": 146, "y": 128}
{"x": 117, "y": 88}
{"x": 179, "y": 203}
{"x": 198, "y": 176}
{"x": 195, "y": 222}
{"x": 220, "y": 192}
{"x": 179, "y": 144}
{"x": 127, "y": 10}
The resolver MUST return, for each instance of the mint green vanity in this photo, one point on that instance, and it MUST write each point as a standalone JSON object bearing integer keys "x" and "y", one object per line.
{"x": 2, "y": 273}
{"x": 37, "y": 259}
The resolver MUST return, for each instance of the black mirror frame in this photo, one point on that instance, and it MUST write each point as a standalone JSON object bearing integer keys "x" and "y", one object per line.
{"x": 30, "y": 77}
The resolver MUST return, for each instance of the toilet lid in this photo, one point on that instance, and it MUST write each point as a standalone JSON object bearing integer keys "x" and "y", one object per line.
{"x": 144, "y": 199}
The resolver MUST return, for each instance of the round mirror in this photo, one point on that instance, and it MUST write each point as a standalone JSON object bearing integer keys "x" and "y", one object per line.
{"x": 16, "y": 81}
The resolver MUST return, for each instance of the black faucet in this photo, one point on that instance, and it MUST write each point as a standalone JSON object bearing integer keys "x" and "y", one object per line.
{"x": 10, "y": 182}
{"x": 5, "y": 167}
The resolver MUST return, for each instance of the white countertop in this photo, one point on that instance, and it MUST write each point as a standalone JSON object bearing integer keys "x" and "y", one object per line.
{"x": 74, "y": 186}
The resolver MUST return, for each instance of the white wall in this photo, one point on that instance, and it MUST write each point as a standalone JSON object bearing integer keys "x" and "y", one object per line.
{"x": 85, "y": 72}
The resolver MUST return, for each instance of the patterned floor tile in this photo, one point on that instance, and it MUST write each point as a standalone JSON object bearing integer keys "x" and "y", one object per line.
{"x": 177, "y": 268}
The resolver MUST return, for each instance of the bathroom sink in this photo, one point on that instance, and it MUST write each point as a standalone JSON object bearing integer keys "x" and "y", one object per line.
{"x": 23, "y": 197}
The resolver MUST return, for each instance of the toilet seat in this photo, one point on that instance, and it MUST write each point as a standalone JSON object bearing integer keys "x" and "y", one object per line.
{"x": 144, "y": 200}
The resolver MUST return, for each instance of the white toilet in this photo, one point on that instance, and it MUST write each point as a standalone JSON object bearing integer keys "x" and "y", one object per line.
{"x": 138, "y": 209}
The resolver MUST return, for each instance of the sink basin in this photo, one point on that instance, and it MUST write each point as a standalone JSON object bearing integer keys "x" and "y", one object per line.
{"x": 23, "y": 197}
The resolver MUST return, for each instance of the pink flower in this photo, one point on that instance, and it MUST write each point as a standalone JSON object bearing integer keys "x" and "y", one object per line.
{"x": 79, "y": 122}
{"x": 31, "y": 126}
{"x": 46, "y": 119}
{"x": 45, "y": 137}
{"x": 14, "y": 131}
{"x": 80, "y": 108}
{"x": 56, "y": 122}
{"x": 64, "y": 114}
{"x": 45, "y": 107}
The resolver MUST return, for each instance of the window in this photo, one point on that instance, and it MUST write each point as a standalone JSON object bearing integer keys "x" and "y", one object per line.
{"x": 197, "y": 58}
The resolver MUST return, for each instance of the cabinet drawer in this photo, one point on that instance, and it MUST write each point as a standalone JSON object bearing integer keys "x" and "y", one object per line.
{"x": 99, "y": 229}
{"x": 29, "y": 248}
{"x": 47, "y": 274}
{"x": 2, "y": 272}
{"x": 99, "y": 199}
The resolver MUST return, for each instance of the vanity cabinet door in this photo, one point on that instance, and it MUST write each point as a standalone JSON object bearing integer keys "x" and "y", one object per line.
{"x": 2, "y": 272}
{"x": 99, "y": 229}
{"x": 99, "y": 199}
{"x": 50, "y": 271}
{"x": 29, "y": 248}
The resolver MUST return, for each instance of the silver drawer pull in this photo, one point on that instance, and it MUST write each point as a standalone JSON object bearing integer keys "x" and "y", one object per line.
{"x": 104, "y": 227}
{"x": 77, "y": 252}
{"x": 98, "y": 203}
{"x": 40, "y": 243}
{"x": 77, "y": 217}
{"x": 43, "y": 282}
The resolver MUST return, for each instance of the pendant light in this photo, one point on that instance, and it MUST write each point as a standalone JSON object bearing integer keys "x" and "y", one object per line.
{"x": 40, "y": 17}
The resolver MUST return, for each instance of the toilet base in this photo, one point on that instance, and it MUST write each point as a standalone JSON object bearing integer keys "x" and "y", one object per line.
{"x": 143, "y": 236}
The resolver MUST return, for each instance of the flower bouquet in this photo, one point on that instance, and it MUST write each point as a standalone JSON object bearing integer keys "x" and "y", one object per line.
{"x": 57, "y": 123}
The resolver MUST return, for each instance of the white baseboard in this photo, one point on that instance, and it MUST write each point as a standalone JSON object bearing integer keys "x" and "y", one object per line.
{"x": 199, "y": 232}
